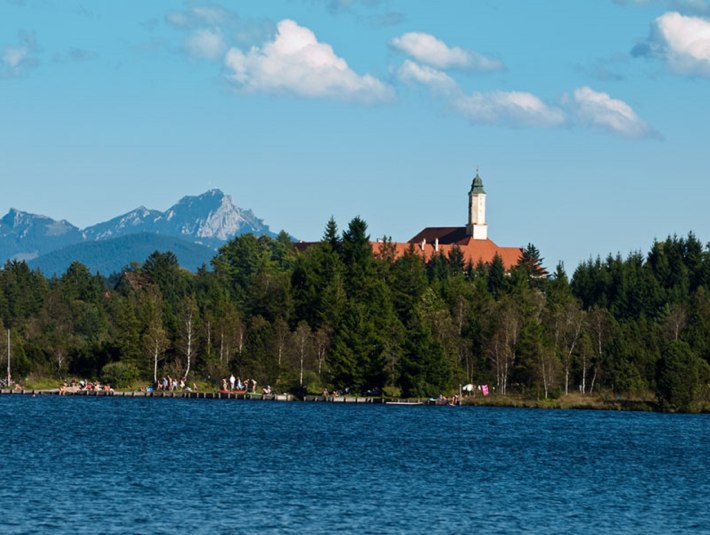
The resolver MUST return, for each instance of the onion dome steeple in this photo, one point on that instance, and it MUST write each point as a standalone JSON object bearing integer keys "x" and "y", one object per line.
{"x": 477, "y": 227}
{"x": 477, "y": 184}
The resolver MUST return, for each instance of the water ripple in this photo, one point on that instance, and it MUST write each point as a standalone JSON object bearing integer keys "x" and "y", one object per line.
{"x": 119, "y": 465}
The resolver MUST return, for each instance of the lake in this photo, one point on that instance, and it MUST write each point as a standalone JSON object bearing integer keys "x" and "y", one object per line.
{"x": 139, "y": 465}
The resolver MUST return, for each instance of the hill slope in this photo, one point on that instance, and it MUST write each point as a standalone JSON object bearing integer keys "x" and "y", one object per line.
{"x": 111, "y": 256}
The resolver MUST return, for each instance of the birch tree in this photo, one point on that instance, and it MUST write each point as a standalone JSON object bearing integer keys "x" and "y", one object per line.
{"x": 302, "y": 338}
{"x": 503, "y": 343}
{"x": 567, "y": 322}
{"x": 281, "y": 336}
{"x": 155, "y": 339}
{"x": 188, "y": 333}
{"x": 599, "y": 324}
{"x": 321, "y": 341}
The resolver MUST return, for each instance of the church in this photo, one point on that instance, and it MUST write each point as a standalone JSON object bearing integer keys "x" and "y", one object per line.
{"x": 472, "y": 240}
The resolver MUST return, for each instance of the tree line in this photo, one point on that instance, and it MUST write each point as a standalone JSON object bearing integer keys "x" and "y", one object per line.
{"x": 340, "y": 314}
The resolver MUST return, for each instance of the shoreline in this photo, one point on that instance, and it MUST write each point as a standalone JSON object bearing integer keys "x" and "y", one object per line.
{"x": 572, "y": 403}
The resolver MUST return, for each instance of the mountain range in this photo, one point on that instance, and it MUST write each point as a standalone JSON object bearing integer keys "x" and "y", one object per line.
{"x": 193, "y": 229}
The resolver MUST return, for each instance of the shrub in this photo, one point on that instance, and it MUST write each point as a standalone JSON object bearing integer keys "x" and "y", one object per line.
{"x": 119, "y": 374}
{"x": 392, "y": 392}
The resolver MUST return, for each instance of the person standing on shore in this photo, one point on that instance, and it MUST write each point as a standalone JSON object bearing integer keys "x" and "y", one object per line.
{"x": 231, "y": 382}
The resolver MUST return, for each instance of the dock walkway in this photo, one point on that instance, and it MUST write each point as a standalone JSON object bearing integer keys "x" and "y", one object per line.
{"x": 190, "y": 395}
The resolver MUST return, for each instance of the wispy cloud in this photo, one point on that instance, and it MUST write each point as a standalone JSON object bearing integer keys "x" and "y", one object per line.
{"x": 412, "y": 72}
{"x": 369, "y": 12}
{"x": 198, "y": 16}
{"x": 607, "y": 69}
{"x": 206, "y": 43}
{"x": 389, "y": 18}
{"x": 687, "y": 6}
{"x": 598, "y": 109}
{"x": 74, "y": 55}
{"x": 296, "y": 62}
{"x": 517, "y": 109}
{"x": 509, "y": 108}
{"x": 209, "y": 30}
{"x": 427, "y": 49}
{"x": 16, "y": 58}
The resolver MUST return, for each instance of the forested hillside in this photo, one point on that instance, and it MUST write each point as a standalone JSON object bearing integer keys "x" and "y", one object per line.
{"x": 335, "y": 315}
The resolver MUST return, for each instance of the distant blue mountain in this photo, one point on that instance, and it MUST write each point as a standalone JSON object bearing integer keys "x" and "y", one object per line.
{"x": 111, "y": 256}
{"x": 210, "y": 220}
{"x": 25, "y": 236}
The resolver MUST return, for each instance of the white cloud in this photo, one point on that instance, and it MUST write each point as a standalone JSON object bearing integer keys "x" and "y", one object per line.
{"x": 428, "y": 49}
{"x": 14, "y": 59}
{"x": 210, "y": 30}
{"x": 511, "y": 108}
{"x": 199, "y": 16}
{"x": 295, "y": 62}
{"x": 514, "y": 108}
{"x": 13, "y": 56}
{"x": 695, "y": 6}
{"x": 600, "y": 110}
{"x": 205, "y": 44}
{"x": 685, "y": 42}
{"x": 413, "y": 72}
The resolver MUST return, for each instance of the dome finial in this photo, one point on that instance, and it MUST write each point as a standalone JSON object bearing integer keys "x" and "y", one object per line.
{"x": 477, "y": 185}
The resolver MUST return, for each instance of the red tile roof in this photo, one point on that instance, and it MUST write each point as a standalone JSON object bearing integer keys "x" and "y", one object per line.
{"x": 474, "y": 251}
{"x": 446, "y": 235}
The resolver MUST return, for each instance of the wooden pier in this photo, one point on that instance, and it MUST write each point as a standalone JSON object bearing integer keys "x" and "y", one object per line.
{"x": 191, "y": 395}
{"x": 145, "y": 394}
{"x": 343, "y": 399}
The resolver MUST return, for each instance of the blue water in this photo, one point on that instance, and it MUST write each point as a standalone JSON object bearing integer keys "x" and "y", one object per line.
{"x": 123, "y": 465}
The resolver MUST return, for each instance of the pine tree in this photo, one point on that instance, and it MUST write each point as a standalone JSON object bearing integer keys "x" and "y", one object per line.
{"x": 496, "y": 276}
{"x": 358, "y": 260}
{"x": 678, "y": 377}
{"x": 330, "y": 236}
{"x": 531, "y": 263}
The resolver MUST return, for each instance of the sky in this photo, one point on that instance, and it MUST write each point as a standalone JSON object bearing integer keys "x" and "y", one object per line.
{"x": 588, "y": 120}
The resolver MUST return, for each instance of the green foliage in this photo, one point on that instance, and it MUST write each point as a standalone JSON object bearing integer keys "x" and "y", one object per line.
{"x": 119, "y": 374}
{"x": 678, "y": 377}
{"x": 349, "y": 317}
{"x": 496, "y": 276}
{"x": 530, "y": 263}
{"x": 392, "y": 392}
{"x": 330, "y": 236}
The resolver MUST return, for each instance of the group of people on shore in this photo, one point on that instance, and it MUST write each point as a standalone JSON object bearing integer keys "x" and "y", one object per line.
{"x": 235, "y": 384}
{"x": 170, "y": 383}
{"x": 77, "y": 386}
{"x": 454, "y": 400}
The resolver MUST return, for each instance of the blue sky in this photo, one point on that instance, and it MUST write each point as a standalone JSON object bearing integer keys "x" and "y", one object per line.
{"x": 588, "y": 119}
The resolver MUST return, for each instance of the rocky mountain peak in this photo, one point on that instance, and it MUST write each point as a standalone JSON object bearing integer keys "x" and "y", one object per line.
{"x": 208, "y": 219}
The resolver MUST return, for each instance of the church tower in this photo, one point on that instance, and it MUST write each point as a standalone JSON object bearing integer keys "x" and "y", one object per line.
{"x": 477, "y": 228}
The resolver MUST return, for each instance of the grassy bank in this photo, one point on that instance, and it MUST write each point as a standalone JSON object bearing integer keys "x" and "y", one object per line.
{"x": 570, "y": 401}
{"x": 603, "y": 401}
